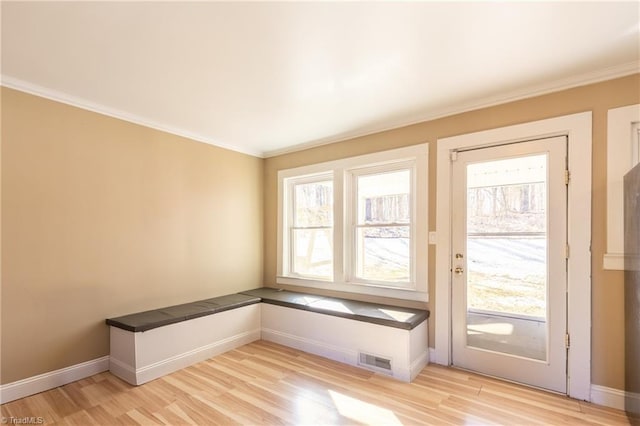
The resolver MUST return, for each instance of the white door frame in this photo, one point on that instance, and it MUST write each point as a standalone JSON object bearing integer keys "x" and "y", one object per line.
{"x": 577, "y": 127}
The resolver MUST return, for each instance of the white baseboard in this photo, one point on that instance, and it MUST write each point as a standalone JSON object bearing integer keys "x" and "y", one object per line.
{"x": 632, "y": 403}
{"x": 340, "y": 354}
{"x": 175, "y": 363}
{"x": 417, "y": 366}
{"x": 43, "y": 382}
{"x": 122, "y": 370}
{"x": 47, "y": 381}
{"x": 615, "y": 398}
{"x": 609, "y": 397}
{"x": 311, "y": 346}
{"x": 432, "y": 355}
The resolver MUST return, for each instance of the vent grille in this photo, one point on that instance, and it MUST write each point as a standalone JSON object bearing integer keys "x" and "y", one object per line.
{"x": 375, "y": 362}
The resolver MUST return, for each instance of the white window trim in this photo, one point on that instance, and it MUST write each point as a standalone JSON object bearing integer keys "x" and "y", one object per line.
{"x": 577, "y": 127}
{"x": 287, "y": 227}
{"x": 350, "y": 215}
{"x": 340, "y": 168}
{"x": 622, "y": 155}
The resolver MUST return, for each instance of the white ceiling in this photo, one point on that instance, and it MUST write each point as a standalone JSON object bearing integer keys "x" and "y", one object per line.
{"x": 264, "y": 78}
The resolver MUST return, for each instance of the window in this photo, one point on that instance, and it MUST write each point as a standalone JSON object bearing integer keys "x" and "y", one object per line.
{"x": 310, "y": 230}
{"x": 357, "y": 224}
{"x": 381, "y": 228}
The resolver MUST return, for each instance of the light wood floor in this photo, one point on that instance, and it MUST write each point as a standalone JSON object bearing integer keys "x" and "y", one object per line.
{"x": 264, "y": 383}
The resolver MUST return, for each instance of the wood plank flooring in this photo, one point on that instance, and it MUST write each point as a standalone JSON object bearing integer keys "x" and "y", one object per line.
{"x": 267, "y": 384}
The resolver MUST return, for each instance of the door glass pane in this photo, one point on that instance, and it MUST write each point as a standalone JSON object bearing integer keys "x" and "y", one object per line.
{"x": 507, "y": 256}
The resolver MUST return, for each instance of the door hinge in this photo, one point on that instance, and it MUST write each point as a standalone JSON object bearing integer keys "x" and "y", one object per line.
{"x": 453, "y": 155}
{"x": 567, "y": 251}
{"x": 567, "y": 177}
{"x": 567, "y": 341}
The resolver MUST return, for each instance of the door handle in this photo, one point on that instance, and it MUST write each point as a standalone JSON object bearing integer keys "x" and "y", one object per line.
{"x": 458, "y": 270}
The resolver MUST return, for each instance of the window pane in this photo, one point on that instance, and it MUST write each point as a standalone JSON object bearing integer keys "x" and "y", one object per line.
{"x": 506, "y": 236}
{"x": 384, "y": 198}
{"x": 507, "y": 275}
{"x": 507, "y": 272}
{"x": 507, "y": 195}
{"x": 313, "y": 252}
{"x": 383, "y": 253}
{"x": 313, "y": 204}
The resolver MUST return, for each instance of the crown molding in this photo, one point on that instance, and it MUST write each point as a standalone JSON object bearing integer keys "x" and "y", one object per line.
{"x": 54, "y": 95}
{"x": 604, "y": 74}
{"x": 532, "y": 91}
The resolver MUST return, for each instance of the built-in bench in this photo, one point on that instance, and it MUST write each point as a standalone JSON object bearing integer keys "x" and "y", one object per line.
{"x": 373, "y": 313}
{"x": 384, "y": 338}
{"x": 151, "y": 344}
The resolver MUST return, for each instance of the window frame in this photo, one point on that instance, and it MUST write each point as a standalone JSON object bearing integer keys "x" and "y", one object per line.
{"x": 290, "y": 226}
{"x": 343, "y": 170}
{"x": 351, "y": 215}
{"x": 622, "y": 154}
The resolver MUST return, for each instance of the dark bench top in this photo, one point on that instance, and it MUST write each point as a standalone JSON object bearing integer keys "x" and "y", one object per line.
{"x": 387, "y": 315}
{"x": 390, "y": 316}
{"x": 143, "y": 321}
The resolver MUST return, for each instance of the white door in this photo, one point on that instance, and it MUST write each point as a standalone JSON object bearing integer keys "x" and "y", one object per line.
{"x": 509, "y": 274}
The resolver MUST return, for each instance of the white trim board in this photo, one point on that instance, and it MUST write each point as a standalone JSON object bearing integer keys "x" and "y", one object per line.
{"x": 615, "y": 398}
{"x": 609, "y": 397}
{"x": 620, "y": 159}
{"x": 577, "y": 127}
{"x": 53, "y": 379}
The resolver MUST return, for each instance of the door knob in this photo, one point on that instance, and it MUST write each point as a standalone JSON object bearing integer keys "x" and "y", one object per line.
{"x": 458, "y": 270}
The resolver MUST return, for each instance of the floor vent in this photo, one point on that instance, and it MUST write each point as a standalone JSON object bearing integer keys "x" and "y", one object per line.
{"x": 375, "y": 362}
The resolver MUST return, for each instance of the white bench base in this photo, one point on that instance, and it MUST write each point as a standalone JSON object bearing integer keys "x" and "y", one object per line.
{"x": 144, "y": 356}
{"x": 343, "y": 340}
{"x": 139, "y": 357}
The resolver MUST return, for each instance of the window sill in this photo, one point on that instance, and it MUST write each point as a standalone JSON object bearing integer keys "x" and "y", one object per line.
{"x": 395, "y": 293}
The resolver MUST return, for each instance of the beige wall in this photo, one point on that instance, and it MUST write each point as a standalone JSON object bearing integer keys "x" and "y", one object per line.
{"x": 607, "y": 287}
{"x": 101, "y": 218}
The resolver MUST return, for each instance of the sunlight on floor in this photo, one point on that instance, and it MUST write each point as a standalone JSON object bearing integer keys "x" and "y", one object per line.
{"x": 307, "y": 410}
{"x": 363, "y": 412}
